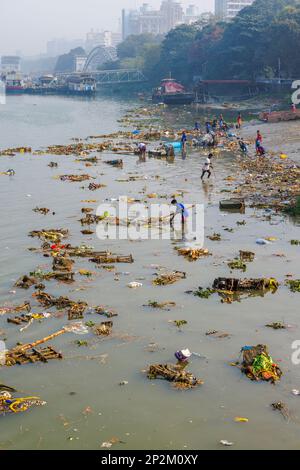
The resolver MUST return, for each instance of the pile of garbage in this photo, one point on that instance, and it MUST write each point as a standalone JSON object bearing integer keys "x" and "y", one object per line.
{"x": 257, "y": 364}
{"x": 269, "y": 182}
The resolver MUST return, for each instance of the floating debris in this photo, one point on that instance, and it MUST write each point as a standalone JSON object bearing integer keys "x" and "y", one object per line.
{"x": 116, "y": 163}
{"x": 237, "y": 264}
{"x": 235, "y": 285}
{"x": 174, "y": 373}
{"x": 258, "y": 364}
{"x": 203, "y": 293}
{"x": 277, "y": 325}
{"x": 247, "y": 256}
{"x": 215, "y": 237}
{"x": 75, "y": 178}
{"x": 104, "y": 329}
{"x": 282, "y": 408}
{"x": 108, "y": 258}
{"x": 25, "y": 356}
{"x": 160, "y": 305}
{"x": 54, "y": 235}
{"x": 294, "y": 285}
{"x": 192, "y": 254}
{"x": 8, "y": 404}
{"x": 41, "y": 210}
{"x": 169, "y": 278}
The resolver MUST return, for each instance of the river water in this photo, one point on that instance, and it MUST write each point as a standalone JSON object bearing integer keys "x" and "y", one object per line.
{"x": 86, "y": 405}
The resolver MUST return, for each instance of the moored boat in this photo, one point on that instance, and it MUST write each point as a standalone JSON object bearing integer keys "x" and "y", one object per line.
{"x": 172, "y": 92}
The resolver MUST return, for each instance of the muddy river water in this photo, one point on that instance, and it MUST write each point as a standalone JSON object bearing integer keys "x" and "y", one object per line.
{"x": 86, "y": 405}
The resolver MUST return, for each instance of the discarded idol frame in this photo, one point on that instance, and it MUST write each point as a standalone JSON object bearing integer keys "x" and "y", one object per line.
{"x": 174, "y": 373}
{"x": 8, "y": 404}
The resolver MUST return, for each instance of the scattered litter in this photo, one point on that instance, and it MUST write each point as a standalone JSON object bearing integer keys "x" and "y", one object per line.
{"x": 183, "y": 355}
{"x": 282, "y": 408}
{"x": 134, "y": 285}
{"x": 239, "y": 419}
{"x": 226, "y": 443}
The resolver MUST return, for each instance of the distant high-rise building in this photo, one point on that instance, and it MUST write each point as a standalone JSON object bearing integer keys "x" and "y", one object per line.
{"x": 10, "y": 64}
{"x": 103, "y": 38}
{"x": 228, "y": 9}
{"x": 172, "y": 15}
{"x": 147, "y": 20}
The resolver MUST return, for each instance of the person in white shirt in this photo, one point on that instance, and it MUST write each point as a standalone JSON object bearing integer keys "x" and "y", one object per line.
{"x": 142, "y": 149}
{"x": 207, "y": 166}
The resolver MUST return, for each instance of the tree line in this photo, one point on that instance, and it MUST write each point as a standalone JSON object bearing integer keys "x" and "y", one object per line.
{"x": 261, "y": 41}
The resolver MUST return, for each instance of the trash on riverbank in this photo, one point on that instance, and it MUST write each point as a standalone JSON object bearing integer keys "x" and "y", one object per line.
{"x": 174, "y": 373}
{"x": 203, "y": 293}
{"x": 257, "y": 364}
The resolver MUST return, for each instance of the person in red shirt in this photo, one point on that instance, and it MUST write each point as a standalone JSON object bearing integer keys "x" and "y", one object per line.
{"x": 239, "y": 121}
{"x": 259, "y": 136}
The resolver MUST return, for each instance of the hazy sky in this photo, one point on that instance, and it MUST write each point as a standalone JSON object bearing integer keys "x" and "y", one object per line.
{"x": 27, "y": 25}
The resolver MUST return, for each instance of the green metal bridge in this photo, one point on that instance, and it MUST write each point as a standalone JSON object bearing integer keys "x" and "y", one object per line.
{"x": 110, "y": 77}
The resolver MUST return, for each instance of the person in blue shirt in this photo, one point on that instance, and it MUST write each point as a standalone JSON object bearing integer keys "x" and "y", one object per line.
{"x": 183, "y": 140}
{"x": 197, "y": 126}
{"x": 180, "y": 209}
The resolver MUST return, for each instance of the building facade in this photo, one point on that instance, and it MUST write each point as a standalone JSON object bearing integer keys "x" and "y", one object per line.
{"x": 102, "y": 38}
{"x": 146, "y": 20}
{"x": 10, "y": 64}
{"x": 228, "y": 9}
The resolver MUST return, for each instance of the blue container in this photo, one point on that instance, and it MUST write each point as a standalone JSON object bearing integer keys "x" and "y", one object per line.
{"x": 176, "y": 145}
